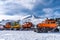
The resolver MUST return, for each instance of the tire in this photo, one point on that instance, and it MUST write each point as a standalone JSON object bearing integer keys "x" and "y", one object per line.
{"x": 12, "y": 28}
{"x": 18, "y": 29}
{"x": 56, "y": 30}
{"x": 35, "y": 30}
{"x": 38, "y": 30}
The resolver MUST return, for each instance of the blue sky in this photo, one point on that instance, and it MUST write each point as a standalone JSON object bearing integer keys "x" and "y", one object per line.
{"x": 19, "y": 8}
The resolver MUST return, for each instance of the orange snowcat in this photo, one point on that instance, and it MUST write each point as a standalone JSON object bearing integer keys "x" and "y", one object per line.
{"x": 27, "y": 25}
{"x": 47, "y": 25}
{"x": 8, "y": 25}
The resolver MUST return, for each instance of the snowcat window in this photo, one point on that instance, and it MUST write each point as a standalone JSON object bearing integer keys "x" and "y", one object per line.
{"x": 52, "y": 22}
{"x": 48, "y": 22}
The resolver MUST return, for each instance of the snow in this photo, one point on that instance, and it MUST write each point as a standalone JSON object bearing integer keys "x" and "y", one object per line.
{"x": 28, "y": 35}
{"x": 32, "y": 18}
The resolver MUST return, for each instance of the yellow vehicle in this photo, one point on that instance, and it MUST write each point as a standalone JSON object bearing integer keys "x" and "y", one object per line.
{"x": 16, "y": 26}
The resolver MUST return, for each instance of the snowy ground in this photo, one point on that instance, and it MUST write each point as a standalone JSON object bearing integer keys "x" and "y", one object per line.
{"x": 28, "y": 35}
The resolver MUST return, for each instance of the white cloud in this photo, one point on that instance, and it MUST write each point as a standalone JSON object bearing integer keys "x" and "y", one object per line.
{"x": 26, "y": 3}
{"x": 48, "y": 10}
{"x": 57, "y": 14}
{"x": 51, "y": 13}
{"x": 23, "y": 3}
{"x": 15, "y": 4}
{"x": 2, "y": 9}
